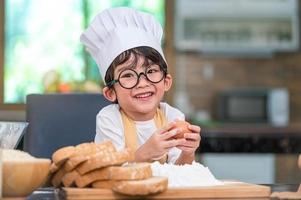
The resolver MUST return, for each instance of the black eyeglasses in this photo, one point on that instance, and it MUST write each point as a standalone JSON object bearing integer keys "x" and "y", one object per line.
{"x": 129, "y": 78}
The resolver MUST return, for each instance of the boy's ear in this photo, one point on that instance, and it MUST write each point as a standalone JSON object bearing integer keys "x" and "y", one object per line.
{"x": 167, "y": 82}
{"x": 109, "y": 94}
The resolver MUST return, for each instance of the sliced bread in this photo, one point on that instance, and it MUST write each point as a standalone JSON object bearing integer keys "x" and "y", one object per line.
{"x": 95, "y": 175}
{"x": 61, "y": 155}
{"x": 57, "y": 177}
{"x": 103, "y": 159}
{"x": 107, "y": 184}
{"x": 69, "y": 178}
{"x": 54, "y": 168}
{"x": 148, "y": 186}
{"x": 84, "y": 152}
{"x": 131, "y": 171}
{"x": 79, "y": 155}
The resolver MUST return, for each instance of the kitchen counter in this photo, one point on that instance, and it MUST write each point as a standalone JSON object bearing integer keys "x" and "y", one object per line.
{"x": 251, "y": 139}
{"x": 50, "y": 193}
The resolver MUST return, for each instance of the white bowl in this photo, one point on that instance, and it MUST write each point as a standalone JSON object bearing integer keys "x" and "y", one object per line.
{"x": 21, "y": 178}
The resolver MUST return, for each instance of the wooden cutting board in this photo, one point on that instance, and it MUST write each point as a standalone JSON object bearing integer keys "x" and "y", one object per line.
{"x": 229, "y": 190}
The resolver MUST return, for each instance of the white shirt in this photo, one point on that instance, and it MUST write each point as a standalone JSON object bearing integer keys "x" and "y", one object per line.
{"x": 109, "y": 126}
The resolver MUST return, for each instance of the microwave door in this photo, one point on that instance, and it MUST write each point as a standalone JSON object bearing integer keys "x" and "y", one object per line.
{"x": 246, "y": 109}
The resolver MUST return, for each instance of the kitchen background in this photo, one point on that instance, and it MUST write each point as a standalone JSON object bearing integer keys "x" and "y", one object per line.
{"x": 213, "y": 46}
{"x": 222, "y": 45}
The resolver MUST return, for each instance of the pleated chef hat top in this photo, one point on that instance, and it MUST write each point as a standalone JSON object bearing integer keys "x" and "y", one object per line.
{"x": 116, "y": 30}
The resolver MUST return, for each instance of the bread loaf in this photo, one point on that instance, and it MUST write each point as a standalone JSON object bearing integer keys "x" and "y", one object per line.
{"x": 148, "y": 186}
{"x": 69, "y": 178}
{"x": 102, "y": 166}
{"x": 53, "y": 168}
{"x": 60, "y": 158}
{"x": 57, "y": 177}
{"x": 78, "y": 155}
{"x": 107, "y": 184}
{"x": 66, "y": 159}
{"x": 132, "y": 171}
{"x": 86, "y": 151}
{"x": 103, "y": 159}
{"x": 62, "y": 154}
{"x": 96, "y": 175}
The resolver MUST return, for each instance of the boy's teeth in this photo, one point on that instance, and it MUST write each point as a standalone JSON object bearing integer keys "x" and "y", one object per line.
{"x": 144, "y": 95}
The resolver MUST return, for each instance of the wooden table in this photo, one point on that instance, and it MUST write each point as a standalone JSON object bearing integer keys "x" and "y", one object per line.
{"x": 51, "y": 194}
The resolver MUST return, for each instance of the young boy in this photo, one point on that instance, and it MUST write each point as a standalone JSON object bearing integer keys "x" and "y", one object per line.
{"x": 125, "y": 43}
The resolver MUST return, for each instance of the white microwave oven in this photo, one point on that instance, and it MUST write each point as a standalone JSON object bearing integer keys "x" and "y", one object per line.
{"x": 248, "y": 105}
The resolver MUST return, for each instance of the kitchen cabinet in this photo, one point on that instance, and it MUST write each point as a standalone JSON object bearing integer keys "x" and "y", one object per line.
{"x": 251, "y": 138}
{"x": 237, "y": 26}
{"x": 252, "y": 153}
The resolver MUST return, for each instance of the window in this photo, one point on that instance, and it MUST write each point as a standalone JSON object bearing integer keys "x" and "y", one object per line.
{"x": 42, "y": 52}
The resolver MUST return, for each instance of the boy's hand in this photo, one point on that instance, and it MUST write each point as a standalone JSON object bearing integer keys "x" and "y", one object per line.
{"x": 159, "y": 143}
{"x": 191, "y": 142}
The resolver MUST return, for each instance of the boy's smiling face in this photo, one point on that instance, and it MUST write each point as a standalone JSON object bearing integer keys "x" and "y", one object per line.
{"x": 140, "y": 102}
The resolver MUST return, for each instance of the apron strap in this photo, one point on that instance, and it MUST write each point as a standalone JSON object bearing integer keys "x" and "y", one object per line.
{"x": 130, "y": 135}
{"x": 130, "y": 131}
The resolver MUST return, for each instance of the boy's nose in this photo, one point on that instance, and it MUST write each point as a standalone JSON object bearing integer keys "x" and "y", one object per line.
{"x": 142, "y": 80}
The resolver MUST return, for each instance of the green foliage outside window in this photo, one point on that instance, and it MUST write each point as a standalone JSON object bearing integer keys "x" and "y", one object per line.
{"x": 42, "y": 49}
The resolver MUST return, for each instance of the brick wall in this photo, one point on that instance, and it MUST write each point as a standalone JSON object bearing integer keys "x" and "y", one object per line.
{"x": 280, "y": 70}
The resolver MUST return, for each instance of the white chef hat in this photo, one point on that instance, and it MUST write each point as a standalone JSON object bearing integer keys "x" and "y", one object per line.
{"x": 116, "y": 30}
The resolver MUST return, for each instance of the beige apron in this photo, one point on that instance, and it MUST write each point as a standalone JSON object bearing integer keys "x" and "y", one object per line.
{"x": 130, "y": 131}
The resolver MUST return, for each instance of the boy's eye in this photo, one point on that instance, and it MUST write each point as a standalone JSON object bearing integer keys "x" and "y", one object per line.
{"x": 153, "y": 69}
{"x": 127, "y": 75}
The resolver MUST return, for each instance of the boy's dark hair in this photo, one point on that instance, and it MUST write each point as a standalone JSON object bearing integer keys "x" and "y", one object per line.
{"x": 149, "y": 53}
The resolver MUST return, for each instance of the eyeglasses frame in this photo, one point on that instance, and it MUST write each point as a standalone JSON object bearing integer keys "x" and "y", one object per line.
{"x": 114, "y": 81}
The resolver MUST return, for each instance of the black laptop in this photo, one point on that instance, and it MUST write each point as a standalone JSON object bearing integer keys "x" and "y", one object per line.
{"x": 11, "y": 134}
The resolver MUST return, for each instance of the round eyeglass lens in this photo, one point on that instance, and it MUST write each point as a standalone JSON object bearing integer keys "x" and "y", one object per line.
{"x": 129, "y": 78}
{"x": 154, "y": 73}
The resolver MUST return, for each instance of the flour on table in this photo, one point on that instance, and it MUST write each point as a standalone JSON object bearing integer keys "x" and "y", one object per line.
{"x": 188, "y": 175}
